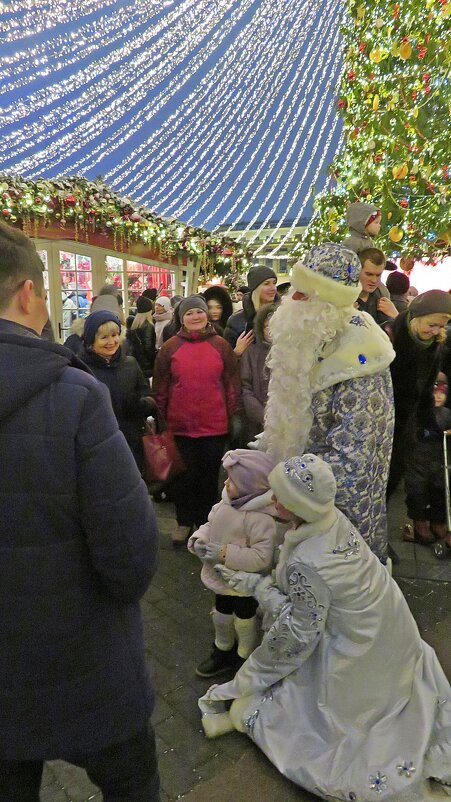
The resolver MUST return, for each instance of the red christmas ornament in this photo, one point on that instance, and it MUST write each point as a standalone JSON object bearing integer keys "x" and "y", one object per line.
{"x": 427, "y": 90}
{"x": 422, "y": 52}
{"x": 351, "y": 75}
{"x": 341, "y": 104}
{"x": 396, "y": 10}
{"x": 362, "y": 47}
{"x": 6, "y": 212}
{"x": 378, "y": 158}
{"x": 414, "y": 94}
{"x": 404, "y": 203}
{"x": 70, "y": 200}
{"x": 430, "y": 188}
{"x": 426, "y": 78}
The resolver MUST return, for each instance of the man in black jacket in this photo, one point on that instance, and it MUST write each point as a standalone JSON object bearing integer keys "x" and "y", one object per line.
{"x": 77, "y": 552}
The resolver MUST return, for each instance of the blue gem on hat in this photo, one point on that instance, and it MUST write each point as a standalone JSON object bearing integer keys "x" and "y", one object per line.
{"x": 297, "y": 470}
{"x": 362, "y": 359}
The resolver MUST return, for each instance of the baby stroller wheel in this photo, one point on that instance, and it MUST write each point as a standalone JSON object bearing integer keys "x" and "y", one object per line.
{"x": 440, "y": 551}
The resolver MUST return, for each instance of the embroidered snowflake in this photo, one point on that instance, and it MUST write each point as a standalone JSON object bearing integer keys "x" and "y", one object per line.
{"x": 378, "y": 782}
{"x": 356, "y": 320}
{"x": 406, "y": 769}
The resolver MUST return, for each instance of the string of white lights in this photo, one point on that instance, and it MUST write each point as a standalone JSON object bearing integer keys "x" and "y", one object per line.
{"x": 218, "y": 86}
{"x": 310, "y": 66}
{"x": 134, "y": 122}
{"x": 298, "y": 217}
{"x": 307, "y": 125}
{"x": 245, "y": 134}
{"x": 254, "y": 102}
{"x": 64, "y": 50}
{"x": 332, "y": 126}
{"x": 101, "y": 88}
{"x": 22, "y": 18}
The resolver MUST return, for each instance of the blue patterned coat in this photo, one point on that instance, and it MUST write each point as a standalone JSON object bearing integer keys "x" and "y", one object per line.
{"x": 353, "y": 431}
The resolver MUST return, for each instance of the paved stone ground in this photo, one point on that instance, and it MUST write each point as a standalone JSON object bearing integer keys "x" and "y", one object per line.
{"x": 178, "y": 634}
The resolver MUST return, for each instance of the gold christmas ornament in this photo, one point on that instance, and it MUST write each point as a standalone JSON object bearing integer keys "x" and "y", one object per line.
{"x": 378, "y": 54}
{"x": 400, "y": 171}
{"x": 405, "y": 51}
{"x": 396, "y": 234}
{"x": 375, "y": 102}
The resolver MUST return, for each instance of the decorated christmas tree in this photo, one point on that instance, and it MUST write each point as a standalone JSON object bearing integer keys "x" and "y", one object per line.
{"x": 395, "y": 100}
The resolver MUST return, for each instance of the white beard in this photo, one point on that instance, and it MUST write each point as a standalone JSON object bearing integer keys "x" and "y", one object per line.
{"x": 300, "y": 330}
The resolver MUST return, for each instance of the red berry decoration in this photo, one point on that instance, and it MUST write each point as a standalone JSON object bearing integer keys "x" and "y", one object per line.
{"x": 341, "y": 104}
{"x": 404, "y": 203}
{"x": 6, "y": 212}
{"x": 422, "y": 52}
{"x": 70, "y": 200}
{"x": 351, "y": 75}
{"x": 427, "y": 90}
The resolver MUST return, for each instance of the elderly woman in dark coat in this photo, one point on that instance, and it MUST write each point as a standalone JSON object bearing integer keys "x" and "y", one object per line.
{"x": 121, "y": 374}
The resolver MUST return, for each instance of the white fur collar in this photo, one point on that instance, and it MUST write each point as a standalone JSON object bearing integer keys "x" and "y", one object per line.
{"x": 295, "y": 536}
{"x": 361, "y": 348}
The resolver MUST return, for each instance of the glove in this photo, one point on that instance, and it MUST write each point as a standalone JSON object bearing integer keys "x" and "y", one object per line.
{"x": 259, "y": 443}
{"x": 199, "y": 549}
{"x": 213, "y": 553}
{"x": 241, "y": 581}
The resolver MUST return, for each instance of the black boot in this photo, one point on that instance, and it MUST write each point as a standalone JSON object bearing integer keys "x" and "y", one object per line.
{"x": 219, "y": 662}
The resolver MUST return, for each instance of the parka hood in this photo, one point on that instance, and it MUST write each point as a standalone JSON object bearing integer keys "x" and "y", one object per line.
{"x": 259, "y": 323}
{"x": 220, "y": 295}
{"x": 358, "y": 215}
{"x": 28, "y": 365}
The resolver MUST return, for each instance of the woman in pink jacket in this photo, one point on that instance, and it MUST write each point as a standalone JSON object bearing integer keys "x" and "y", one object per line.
{"x": 196, "y": 386}
{"x": 240, "y": 534}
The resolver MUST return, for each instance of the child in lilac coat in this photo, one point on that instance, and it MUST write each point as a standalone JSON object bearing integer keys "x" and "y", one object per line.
{"x": 240, "y": 534}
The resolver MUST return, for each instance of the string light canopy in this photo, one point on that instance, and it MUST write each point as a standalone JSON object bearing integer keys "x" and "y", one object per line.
{"x": 215, "y": 112}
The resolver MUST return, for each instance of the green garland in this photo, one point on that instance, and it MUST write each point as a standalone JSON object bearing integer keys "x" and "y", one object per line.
{"x": 93, "y": 207}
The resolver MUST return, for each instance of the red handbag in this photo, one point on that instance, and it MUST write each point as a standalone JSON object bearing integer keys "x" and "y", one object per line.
{"x": 162, "y": 459}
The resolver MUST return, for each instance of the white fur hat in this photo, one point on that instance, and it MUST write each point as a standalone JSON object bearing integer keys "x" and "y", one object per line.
{"x": 329, "y": 272}
{"x": 164, "y": 301}
{"x": 305, "y": 486}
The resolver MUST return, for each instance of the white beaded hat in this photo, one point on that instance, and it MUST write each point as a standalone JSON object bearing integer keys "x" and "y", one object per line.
{"x": 304, "y": 485}
{"x": 329, "y": 272}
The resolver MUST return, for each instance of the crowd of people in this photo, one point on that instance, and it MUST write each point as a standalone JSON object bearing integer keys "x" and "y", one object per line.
{"x": 315, "y": 402}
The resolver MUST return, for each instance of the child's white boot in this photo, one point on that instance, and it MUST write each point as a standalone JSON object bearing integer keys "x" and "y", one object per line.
{"x": 247, "y": 632}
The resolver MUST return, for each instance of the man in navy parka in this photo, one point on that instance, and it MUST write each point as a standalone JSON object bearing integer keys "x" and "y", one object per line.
{"x": 77, "y": 552}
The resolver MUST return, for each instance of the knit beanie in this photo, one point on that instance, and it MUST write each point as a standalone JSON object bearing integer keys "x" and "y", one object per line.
{"x": 248, "y": 470}
{"x": 106, "y": 302}
{"x": 433, "y": 302}
{"x": 257, "y": 275}
{"x": 94, "y": 321}
{"x": 164, "y": 301}
{"x": 305, "y": 486}
{"x": 192, "y": 302}
{"x": 397, "y": 283}
{"x": 330, "y": 272}
{"x": 143, "y": 304}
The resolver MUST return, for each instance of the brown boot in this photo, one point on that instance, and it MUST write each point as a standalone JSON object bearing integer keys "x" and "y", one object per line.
{"x": 422, "y": 533}
{"x": 180, "y": 536}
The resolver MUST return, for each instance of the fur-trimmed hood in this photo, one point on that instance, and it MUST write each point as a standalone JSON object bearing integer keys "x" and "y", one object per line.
{"x": 359, "y": 349}
{"x": 220, "y": 295}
